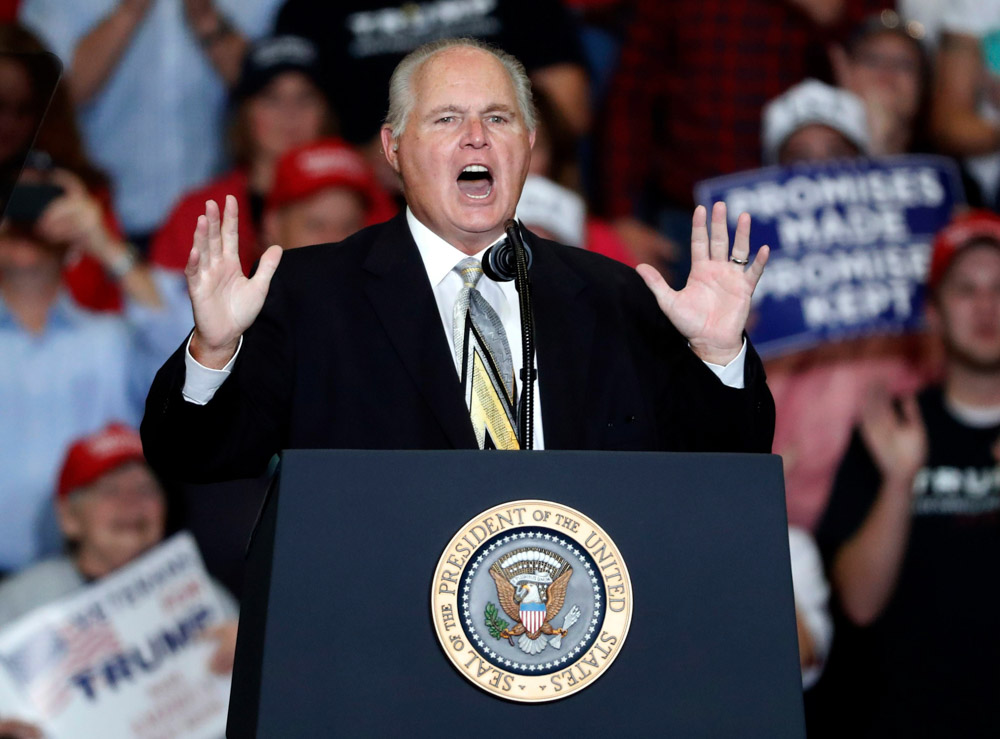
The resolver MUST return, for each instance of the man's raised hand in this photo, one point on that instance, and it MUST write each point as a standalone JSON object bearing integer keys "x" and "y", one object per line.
{"x": 225, "y": 303}
{"x": 711, "y": 310}
{"x": 895, "y": 437}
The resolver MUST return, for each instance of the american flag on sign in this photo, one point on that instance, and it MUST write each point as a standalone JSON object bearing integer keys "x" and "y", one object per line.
{"x": 44, "y": 666}
{"x": 532, "y": 616}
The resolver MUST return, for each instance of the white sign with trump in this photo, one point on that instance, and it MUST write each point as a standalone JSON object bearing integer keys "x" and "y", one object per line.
{"x": 122, "y": 658}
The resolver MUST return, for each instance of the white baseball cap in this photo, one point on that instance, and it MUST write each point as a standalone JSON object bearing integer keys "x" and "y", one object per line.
{"x": 813, "y": 102}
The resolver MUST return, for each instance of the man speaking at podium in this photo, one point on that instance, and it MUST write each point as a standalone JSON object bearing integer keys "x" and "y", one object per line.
{"x": 394, "y": 339}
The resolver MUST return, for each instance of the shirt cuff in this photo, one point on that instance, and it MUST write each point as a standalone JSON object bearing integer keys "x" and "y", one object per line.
{"x": 201, "y": 382}
{"x": 731, "y": 375}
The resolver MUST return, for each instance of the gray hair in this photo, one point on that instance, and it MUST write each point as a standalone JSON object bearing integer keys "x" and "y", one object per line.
{"x": 402, "y": 99}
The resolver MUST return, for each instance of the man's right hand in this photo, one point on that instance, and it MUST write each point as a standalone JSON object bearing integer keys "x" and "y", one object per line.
{"x": 225, "y": 303}
{"x": 896, "y": 439}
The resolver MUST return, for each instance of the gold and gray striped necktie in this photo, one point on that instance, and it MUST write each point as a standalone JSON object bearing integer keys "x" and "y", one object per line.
{"x": 486, "y": 367}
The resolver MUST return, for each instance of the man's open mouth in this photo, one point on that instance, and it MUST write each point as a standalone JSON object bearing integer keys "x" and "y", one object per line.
{"x": 476, "y": 182}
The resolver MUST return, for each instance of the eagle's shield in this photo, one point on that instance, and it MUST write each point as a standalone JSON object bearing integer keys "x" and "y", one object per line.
{"x": 532, "y": 616}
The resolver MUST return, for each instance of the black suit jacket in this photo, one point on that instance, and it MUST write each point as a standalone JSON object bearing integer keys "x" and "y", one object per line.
{"x": 349, "y": 352}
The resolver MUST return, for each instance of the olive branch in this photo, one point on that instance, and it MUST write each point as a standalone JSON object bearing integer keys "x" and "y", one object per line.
{"x": 494, "y": 623}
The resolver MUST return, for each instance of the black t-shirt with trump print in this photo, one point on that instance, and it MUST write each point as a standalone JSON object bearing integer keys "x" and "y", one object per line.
{"x": 362, "y": 41}
{"x": 930, "y": 664}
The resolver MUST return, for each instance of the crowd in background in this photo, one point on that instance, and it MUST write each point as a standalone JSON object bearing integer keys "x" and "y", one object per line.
{"x": 165, "y": 104}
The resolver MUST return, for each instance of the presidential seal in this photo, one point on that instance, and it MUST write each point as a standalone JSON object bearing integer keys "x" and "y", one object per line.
{"x": 531, "y": 601}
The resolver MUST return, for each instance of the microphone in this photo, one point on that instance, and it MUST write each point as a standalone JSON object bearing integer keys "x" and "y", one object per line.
{"x": 500, "y": 260}
{"x": 506, "y": 261}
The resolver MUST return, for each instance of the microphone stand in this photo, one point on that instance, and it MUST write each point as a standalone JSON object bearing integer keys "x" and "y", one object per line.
{"x": 526, "y": 408}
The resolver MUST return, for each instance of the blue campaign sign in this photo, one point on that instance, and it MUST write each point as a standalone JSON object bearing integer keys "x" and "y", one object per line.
{"x": 850, "y": 244}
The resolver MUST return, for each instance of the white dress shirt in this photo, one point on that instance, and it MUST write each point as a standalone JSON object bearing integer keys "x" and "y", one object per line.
{"x": 440, "y": 258}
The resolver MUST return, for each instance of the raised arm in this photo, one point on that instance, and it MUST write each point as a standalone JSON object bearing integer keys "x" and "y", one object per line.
{"x": 866, "y": 567}
{"x": 221, "y": 41}
{"x": 711, "y": 310}
{"x": 76, "y": 218}
{"x": 224, "y": 302}
{"x": 955, "y": 119}
{"x": 202, "y": 425}
{"x": 99, "y": 52}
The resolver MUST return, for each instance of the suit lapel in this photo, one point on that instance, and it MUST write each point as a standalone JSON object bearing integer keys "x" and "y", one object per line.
{"x": 564, "y": 335}
{"x": 398, "y": 288}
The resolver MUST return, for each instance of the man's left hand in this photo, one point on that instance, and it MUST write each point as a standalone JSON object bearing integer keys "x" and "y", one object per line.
{"x": 711, "y": 310}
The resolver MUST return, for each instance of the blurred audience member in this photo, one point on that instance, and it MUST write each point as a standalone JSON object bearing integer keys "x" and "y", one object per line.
{"x": 111, "y": 509}
{"x": 818, "y": 392}
{"x": 813, "y": 122}
{"x": 555, "y": 154}
{"x": 884, "y": 63}
{"x": 965, "y": 109}
{"x": 601, "y": 28}
{"x": 818, "y": 395}
{"x": 23, "y": 91}
{"x": 812, "y": 597}
{"x": 323, "y": 192}
{"x": 551, "y": 205}
{"x": 278, "y": 104}
{"x": 27, "y": 78}
{"x": 912, "y": 533}
{"x": 364, "y": 40}
{"x": 685, "y": 103}
{"x": 77, "y": 219}
{"x": 66, "y": 370}
{"x": 150, "y": 79}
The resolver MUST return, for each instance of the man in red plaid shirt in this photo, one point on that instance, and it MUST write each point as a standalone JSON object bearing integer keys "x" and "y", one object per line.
{"x": 686, "y": 101}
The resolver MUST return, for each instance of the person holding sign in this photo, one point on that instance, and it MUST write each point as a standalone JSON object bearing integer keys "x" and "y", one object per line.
{"x": 352, "y": 347}
{"x": 818, "y": 390}
{"x": 111, "y": 509}
{"x": 911, "y": 536}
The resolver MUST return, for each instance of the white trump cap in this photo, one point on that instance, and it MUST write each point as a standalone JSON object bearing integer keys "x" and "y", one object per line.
{"x": 813, "y": 102}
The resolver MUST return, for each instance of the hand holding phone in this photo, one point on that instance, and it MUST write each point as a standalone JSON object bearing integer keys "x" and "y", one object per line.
{"x": 30, "y": 199}
{"x": 75, "y": 218}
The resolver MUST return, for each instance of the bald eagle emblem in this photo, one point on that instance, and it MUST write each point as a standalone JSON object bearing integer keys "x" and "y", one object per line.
{"x": 531, "y": 587}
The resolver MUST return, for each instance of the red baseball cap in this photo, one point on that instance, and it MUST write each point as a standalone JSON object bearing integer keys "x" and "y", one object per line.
{"x": 308, "y": 169}
{"x": 93, "y": 456}
{"x": 963, "y": 229}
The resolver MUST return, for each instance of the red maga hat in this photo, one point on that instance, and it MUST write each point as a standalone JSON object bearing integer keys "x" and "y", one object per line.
{"x": 964, "y": 228}
{"x": 93, "y": 456}
{"x": 316, "y": 166}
